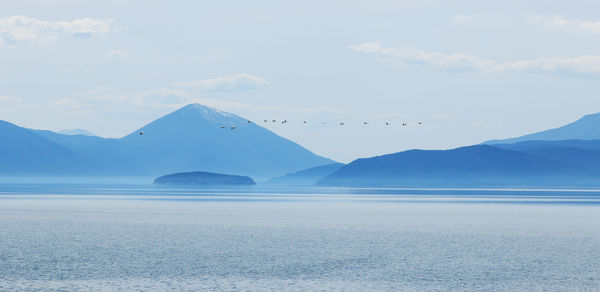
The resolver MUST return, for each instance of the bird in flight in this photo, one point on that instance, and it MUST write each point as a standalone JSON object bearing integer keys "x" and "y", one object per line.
{"x": 365, "y": 123}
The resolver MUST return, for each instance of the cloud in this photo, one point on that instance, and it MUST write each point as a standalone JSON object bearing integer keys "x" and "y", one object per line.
{"x": 497, "y": 18}
{"x": 106, "y": 98}
{"x": 10, "y": 99}
{"x": 111, "y": 101}
{"x": 17, "y": 29}
{"x": 117, "y": 54}
{"x": 463, "y": 18}
{"x": 410, "y": 56}
{"x": 555, "y": 22}
{"x": 68, "y": 102}
{"x": 239, "y": 82}
{"x": 560, "y": 22}
{"x": 111, "y": 97}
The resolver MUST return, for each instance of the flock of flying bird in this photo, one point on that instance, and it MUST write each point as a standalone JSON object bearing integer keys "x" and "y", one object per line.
{"x": 304, "y": 122}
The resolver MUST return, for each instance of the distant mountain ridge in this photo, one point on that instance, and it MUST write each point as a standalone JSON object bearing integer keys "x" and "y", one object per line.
{"x": 193, "y": 138}
{"x": 582, "y": 153}
{"x": 197, "y": 138}
{"x": 535, "y": 144}
{"x": 23, "y": 152}
{"x": 306, "y": 177}
{"x": 586, "y": 128}
{"x": 479, "y": 165}
{"x": 249, "y": 149}
{"x": 565, "y": 156}
{"x": 76, "y": 132}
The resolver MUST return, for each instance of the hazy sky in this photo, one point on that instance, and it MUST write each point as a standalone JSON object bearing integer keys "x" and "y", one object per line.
{"x": 469, "y": 70}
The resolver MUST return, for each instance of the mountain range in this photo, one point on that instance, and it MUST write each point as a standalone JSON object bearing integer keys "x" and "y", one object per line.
{"x": 586, "y": 128}
{"x": 478, "y": 165}
{"x": 565, "y": 156}
{"x": 193, "y": 138}
{"x": 306, "y": 177}
{"x": 199, "y": 138}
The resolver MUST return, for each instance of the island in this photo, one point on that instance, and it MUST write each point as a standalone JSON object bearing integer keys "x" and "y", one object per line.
{"x": 204, "y": 178}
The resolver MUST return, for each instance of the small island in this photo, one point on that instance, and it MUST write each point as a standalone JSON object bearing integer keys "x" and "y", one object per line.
{"x": 204, "y": 179}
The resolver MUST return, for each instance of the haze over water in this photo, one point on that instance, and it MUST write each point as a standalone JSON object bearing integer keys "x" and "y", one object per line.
{"x": 144, "y": 237}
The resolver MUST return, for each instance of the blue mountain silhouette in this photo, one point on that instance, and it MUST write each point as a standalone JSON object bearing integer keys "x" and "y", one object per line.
{"x": 565, "y": 156}
{"x": 306, "y": 177}
{"x": 479, "y": 165}
{"x": 586, "y": 128}
{"x": 189, "y": 139}
{"x": 24, "y": 152}
{"x": 585, "y": 154}
{"x": 192, "y": 139}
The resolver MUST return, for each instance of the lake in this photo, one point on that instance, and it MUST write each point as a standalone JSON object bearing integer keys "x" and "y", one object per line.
{"x": 154, "y": 238}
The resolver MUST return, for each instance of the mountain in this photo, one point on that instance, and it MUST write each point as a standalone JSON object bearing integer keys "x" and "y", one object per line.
{"x": 24, "y": 152}
{"x": 586, "y": 128}
{"x": 537, "y": 144}
{"x": 204, "y": 179}
{"x": 479, "y": 165}
{"x": 76, "y": 132}
{"x": 306, "y": 177}
{"x": 193, "y": 138}
{"x": 103, "y": 156}
{"x": 584, "y": 154}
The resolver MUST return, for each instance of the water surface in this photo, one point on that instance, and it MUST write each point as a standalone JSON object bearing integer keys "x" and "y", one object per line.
{"x": 145, "y": 237}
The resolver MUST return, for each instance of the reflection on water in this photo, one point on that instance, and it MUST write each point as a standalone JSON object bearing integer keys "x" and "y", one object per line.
{"x": 145, "y": 237}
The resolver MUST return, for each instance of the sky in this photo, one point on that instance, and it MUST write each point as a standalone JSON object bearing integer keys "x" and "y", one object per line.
{"x": 470, "y": 71}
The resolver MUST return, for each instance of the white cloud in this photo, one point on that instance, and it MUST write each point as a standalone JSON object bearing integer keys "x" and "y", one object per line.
{"x": 106, "y": 100}
{"x": 10, "y": 99}
{"x": 582, "y": 64}
{"x": 111, "y": 97}
{"x": 462, "y": 18}
{"x": 408, "y": 55}
{"x": 555, "y": 22}
{"x": 239, "y": 82}
{"x": 68, "y": 102}
{"x": 17, "y": 29}
{"x": 560, "y": 22}
{"x": 117, "y": 54}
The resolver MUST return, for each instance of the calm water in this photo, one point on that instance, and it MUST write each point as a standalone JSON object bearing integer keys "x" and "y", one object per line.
{"x": 144, "y": 237}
